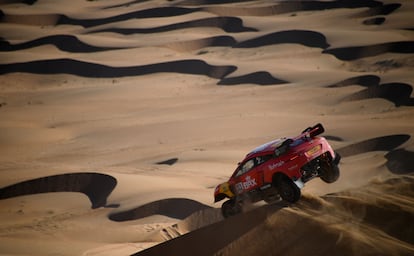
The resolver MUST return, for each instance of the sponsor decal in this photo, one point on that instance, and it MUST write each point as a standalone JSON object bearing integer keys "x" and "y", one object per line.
{"x": 244, "y": 185}
{"x": 293, "y": 167}
{"x": 276, "y": 165}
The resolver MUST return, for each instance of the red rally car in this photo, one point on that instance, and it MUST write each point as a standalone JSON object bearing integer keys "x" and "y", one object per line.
{"x": 279, "y": 169}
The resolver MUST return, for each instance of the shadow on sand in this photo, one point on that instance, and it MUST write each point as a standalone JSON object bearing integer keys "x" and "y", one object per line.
{"x": 96, "y": 186}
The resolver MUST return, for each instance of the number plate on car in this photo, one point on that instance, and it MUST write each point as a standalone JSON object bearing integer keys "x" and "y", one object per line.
{"x": 313, "y": 150}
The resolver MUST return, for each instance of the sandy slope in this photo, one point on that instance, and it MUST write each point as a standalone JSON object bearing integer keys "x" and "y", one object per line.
{"x": 119, "y": 118}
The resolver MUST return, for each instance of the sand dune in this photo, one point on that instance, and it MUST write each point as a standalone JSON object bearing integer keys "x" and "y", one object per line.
{"x": 352, "y": 53}
{"x": 333, "y": 218}
{"x": 385, "y": 143}
{"x": 338, "y": 233}
{"x": 119, "y": 118}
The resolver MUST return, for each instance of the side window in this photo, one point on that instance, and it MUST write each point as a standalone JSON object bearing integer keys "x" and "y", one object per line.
{"x": 260, "y": 160}
{"x": 247, "y": 166}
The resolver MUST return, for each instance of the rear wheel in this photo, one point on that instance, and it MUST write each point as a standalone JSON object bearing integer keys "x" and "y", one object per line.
{"x": 288, "y": 190}
{"x": 230, "y": 208}
{"x": 329, "y": 172}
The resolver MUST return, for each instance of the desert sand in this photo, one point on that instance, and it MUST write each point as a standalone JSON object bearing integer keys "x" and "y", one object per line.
{"x": 119, "y": 118}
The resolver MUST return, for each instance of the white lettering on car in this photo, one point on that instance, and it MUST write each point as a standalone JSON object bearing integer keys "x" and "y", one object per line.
{"x": 239, "y": 187}
{"x": 276, "y": 165}
{"x": 244, "y": 185}
{"x": 293, "y": 167}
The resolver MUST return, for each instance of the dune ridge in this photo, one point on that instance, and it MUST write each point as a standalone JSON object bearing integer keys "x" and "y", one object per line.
{"x": 204, "y": 243}
{"x": 332, "y": 218}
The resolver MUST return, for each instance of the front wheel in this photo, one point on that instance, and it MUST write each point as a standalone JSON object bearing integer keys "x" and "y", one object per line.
{"x": 230, "y": 208}
{"x": 288, "y": 190}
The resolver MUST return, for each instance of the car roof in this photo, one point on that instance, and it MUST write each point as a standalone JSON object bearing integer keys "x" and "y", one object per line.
{"x": 267, "y": 148}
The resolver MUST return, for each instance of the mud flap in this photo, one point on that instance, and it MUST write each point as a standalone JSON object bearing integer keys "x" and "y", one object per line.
{"x": 299, "y": 183}
{"x": 337, "y": 158}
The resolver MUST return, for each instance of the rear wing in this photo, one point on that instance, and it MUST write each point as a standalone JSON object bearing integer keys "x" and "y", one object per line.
{"x": 312, "y": 131}
{"x": 309, "y": 132}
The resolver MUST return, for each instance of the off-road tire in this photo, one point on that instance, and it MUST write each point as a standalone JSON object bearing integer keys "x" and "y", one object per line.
{"x": 230, "y": 208}
{"x": 288, "y": 190}
{"x": 329, "y": 173}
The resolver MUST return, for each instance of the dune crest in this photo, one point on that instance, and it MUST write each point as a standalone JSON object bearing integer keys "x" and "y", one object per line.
{"x": 345, "y": 221}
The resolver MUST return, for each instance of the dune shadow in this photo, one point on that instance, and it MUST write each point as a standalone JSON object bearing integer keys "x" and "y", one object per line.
{"x": 397, "y": 93}
{"x": 333, "y": 138}
{"x": 228, "y": 24}
{"x": 141, "y": 14}
{"x": 358, "y": 52}
{"x": 67, "y": 43}
{"x": 400, "y": 161}
{"x": 384, "y": 143}
{"x": 383, "y": 9}
{"x": 304, "y": 37}
{"x": 289, "y": 6}
{"x": 179, "y": 208}
{"x": 210, "y": 239}
{"x": 285, "y": 7}
{"x": 260, "y": 78}
{"x": 170, "y": 161}
{"x": 86, "y": 69}
{"x": 96, "y": 186}
{"x": 364, "y": 80}
{"x": 374, "y": 21}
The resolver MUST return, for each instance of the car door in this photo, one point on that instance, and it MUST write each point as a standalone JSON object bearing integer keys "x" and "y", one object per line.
{"x": 247, "y": 177}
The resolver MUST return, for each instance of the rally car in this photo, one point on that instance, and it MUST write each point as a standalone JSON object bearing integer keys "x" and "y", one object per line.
{"x": 278, "y": 170}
